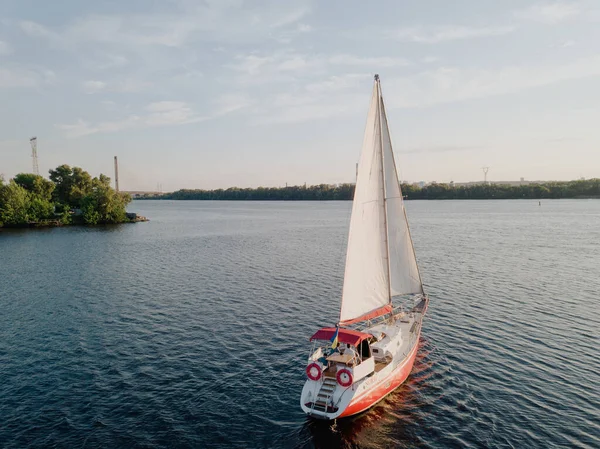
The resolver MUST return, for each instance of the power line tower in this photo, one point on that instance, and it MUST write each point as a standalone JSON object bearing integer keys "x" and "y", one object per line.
{"x": 33, "y": 142}
{"x": 485, "y": 172}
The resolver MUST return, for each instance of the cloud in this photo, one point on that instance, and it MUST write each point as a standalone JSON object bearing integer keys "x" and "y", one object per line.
{"x": 274, "y": 68}
{"x": 5, "y": 49}
{"x": 127, "y": 85}
{"x": 189, "y": 76}
{"x": 434, "y": 35}
{"x": 107, "y": 61}
{"x": 303, "y": 28}
{"x": 336, "y": 96}
{"x": 563, "y": 44}
{"x": 162, "y": 106}
{"x": 250, "y": 64}
{"x": 255, "y": 66}
{"x": 92, "y": 86}
{"x": 549, "y": 13}
{"x": 170, "y": 113}
{"x": 341, "y": 95}
{"x": 35, "y": 29}
{"x": 82, "y": 128}
{"x": 231, "y": 102}
{"x": 380, "y": 62}
{"x": 160, "y": 113}
{"x": 296, "y": 63}
{"x": 132, "y": 31}
{"x": 17, "y": 78}
{"x": 451, "y": 84}
{"x": 291, "y": 67}
{"x": 185, "y": 23}
{"x": 130, "y": 85}
{"x": 313, "y": 110}
{"x": 429, "y": 59}
{"x": 337, "y": 83}
{"x": 283, "y": 18}
{"x": 163, "y": 113}
{"x": 20, "y": 76}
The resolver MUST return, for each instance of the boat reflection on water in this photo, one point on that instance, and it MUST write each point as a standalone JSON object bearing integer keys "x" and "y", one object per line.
{"x": 390, "y": 423}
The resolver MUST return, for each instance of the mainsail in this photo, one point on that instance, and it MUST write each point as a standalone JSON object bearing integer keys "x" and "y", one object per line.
{"x": 380, "y": 261}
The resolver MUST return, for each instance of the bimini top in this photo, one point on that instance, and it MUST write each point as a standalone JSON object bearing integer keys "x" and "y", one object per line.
{"x": 345, "y": 335}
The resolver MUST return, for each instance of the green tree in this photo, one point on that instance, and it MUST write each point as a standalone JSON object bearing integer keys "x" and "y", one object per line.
{"x": 1, "y": 193}
{"x": 103, "y": 204}
{"x": 62, "y": 178}
{"x": 31, "y": 198}
{"x": 39, "y": 195}
{"x": 14, "y": 203}
{"x": 36, "y": 184}
{"x": 437, "y": 191}
{"x": 72, "y": 185}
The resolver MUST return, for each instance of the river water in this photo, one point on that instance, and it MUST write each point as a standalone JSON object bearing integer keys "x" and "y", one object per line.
{"x": 192, "y": 330}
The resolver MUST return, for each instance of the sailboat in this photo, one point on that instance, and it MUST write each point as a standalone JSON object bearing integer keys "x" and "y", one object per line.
{"x": 371, "y": 350}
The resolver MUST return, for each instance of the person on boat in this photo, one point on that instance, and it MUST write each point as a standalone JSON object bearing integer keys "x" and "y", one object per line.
{"x": 326, "y": 353}
{"x": 352, "y": 352}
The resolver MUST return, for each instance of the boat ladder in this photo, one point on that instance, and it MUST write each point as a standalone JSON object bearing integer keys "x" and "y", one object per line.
{"x": 320, "y": 404}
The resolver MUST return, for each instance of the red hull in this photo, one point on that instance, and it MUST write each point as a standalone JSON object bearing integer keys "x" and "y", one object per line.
{"x": 384, "y": 387}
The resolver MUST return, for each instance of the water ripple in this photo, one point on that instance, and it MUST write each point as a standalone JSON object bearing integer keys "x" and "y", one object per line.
{"x": 191, "y": 330}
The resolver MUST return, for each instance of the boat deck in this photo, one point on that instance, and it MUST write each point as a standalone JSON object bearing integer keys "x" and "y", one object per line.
{"x": 330, "y": 371}
{"x": 380, "y": 365}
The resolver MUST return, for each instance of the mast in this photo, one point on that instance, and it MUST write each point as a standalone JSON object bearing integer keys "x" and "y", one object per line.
{"x": 385, "y": 212}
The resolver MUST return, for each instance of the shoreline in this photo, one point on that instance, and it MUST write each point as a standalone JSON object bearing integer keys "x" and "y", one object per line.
{"x": 58, "y": 224}
{"x": 596, "y": 197}
{"x": 589, "y": 188}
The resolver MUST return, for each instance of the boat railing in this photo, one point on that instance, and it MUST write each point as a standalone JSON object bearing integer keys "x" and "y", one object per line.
{"x": 398, "y": 311}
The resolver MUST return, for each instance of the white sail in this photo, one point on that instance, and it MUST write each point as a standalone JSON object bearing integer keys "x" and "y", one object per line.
{"x": 380, "y": 261}
{"x": 404, "y": 272}
{"x": 366, "y": 283}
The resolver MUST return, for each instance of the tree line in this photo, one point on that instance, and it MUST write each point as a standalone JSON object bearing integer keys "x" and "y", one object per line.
{"x": 294, "y": 193}
{"x": 69, "y": 196}
{"x": 436, "y": 191}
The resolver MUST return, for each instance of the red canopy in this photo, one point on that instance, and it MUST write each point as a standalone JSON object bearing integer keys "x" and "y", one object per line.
{"x": 345, "y": 335}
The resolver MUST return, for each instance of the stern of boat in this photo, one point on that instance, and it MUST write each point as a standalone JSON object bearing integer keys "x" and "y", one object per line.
{"x": 325, "y": 398}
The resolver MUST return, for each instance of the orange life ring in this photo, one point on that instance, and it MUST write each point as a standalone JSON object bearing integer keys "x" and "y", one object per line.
{"x": 313, "y": 371}
{"x": 345, "y": 381}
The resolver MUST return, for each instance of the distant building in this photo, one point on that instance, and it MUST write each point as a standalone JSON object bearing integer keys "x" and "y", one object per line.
{"x": 138, "y": 194}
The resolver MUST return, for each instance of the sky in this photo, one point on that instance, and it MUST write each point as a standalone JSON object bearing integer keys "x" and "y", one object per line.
{"x": 220, "y": 93}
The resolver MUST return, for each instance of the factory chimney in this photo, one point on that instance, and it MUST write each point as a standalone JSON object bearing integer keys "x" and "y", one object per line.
{"x": 116, "y": 175}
